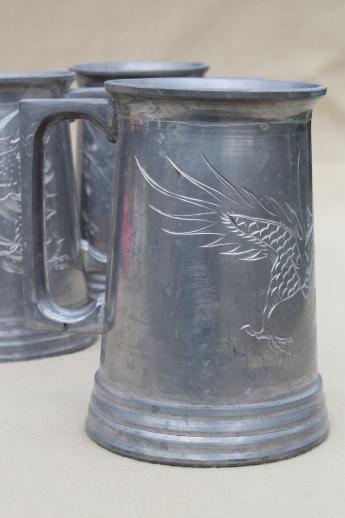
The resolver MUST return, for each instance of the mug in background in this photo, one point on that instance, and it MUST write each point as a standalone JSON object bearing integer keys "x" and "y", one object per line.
{"x": 95, "y": 156}
{"x": 210, "y": 353}
{"x": 66, "y": 282}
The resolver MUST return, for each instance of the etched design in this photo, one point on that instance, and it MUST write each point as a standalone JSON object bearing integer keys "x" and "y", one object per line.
{"x": 10, "y": 206}
{"x": 229, "y": 220}
{"x": 10, "y": 202}
{"x": 57, "y": 257}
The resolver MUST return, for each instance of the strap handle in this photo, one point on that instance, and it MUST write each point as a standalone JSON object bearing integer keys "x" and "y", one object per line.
{"x": 36, "y": 117}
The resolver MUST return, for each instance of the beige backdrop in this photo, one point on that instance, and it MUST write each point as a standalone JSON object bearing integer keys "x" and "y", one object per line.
{"x": 290, "y": 39}
{"x": 49, "y": 468}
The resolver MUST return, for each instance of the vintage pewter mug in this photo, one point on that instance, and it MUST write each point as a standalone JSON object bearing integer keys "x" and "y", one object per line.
{"x": 95, "y": 155}
{"x": 210, "y": 353}
{"x": 66, "y": 282}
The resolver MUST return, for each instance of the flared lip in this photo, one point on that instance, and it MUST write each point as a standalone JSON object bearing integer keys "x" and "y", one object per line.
{"x": 216, "y": 88}
{"x": 137, "y": 69}
{"x": 32, "y": 78}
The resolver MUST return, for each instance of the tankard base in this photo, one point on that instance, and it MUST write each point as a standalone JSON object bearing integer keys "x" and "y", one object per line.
{"x": 22, "y": 344}
{"x": 95, "y": 283}
{"x": 193, "y": 435}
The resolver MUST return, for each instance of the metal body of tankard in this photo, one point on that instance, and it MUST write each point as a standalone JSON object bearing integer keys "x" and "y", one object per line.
{"x": 66, "y": 281}
{"x": 95, "y": 155}
{"x": 210, "y": 352}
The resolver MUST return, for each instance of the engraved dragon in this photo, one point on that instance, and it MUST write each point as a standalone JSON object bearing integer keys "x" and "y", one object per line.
{"x": 10, "y": 202}
{"x": 239, "y": 224}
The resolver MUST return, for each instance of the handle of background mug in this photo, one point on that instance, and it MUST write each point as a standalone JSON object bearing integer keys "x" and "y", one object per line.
{"x": 36, "y": 116}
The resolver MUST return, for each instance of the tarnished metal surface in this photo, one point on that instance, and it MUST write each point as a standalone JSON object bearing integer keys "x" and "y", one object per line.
{"x": 95, "y": 158}
{"x": 17, "y": 343}
{"x": 210, "y": 356}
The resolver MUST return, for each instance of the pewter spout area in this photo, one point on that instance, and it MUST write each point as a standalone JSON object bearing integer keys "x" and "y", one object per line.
{"x": 211, "y": 359}
{"x": 95, "y": 155}
{"x": 65, "y": 275}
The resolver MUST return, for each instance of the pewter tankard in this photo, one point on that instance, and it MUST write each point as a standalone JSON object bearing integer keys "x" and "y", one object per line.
{"x": 210, "y": 353}
{"x": 66, "y": 280}
{"x": 95, "y": 155}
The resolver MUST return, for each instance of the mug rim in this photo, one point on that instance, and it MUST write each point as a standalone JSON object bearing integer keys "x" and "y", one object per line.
{"x": 135, "y": 69}
{"x": 36, "y": 77}
{"x": 216, "y": 88}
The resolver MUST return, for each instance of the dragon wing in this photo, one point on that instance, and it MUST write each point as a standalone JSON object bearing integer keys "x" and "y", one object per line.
{"x": 9, "y": 163}
{"x": 10, "y": 198}
{"x": 217, "y": 217}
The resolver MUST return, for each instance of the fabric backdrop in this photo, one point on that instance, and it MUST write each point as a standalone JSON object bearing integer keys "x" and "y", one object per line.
{"x": 280, "y": 39}
{"x": 49, "y": 468}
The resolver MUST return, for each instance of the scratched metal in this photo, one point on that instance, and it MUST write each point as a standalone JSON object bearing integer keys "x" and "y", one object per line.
{"x": 238, "y": 224}
{"x": 65, "y": 278}
{"x": 95, "y": 156}
{"x": 210, "y": 356}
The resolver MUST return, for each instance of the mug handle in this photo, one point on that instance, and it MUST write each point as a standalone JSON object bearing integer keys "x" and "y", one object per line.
{"x": 36, "y": 117}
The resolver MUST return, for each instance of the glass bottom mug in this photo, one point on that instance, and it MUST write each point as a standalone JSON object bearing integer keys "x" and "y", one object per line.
{"x": 64, "y": 268}
{"x": 209, "y": 335}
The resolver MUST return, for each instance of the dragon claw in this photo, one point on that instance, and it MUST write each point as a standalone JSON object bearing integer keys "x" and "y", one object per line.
{"x": 279, "y": 345}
